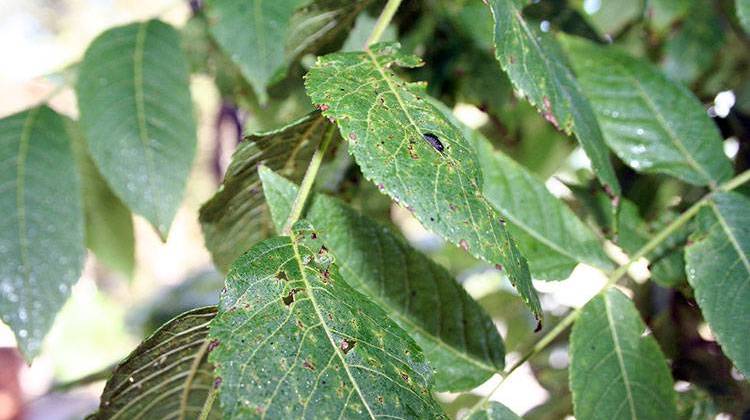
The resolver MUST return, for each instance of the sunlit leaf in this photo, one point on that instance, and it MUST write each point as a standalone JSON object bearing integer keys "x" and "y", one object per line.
{"x": 236, "y": 216}
{"x": 41, "y": 232}
{"x": 411, "y": 151}
{"x": 458, "y": 338}
{"x": 137, "y": 116}
{"x": 718, "y": 266}
{"x": 294, "y": 340}
{"x": 616, "y": 367}
{"x": 538, "y": 69}
{"x": 652, "y": 123}
{"x": 167, "y": 376}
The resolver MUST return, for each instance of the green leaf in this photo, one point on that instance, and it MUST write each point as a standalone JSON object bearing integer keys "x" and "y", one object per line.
{"x": 691, "y": 51}
{"x": 295, "y": 341}
{"x": 743, "y": 13}
{"x": 264, "y": 37}
{"x": 137, "y": 116}
{"x": 652, "y": 123}
{"x": 610, "y": 17}
{"x": 385, "y": 121}
{"x": 167, "y": 376}
{"x": 495, "y": 411}
{"x": 109, "y": 224}
{"x": 663, "y": 13}
{"x": 616, "y": 367}
{"x": 539, "y": 70}
{"x": 718, "y": 269}
{"x": 236, "y": 217}
{"x": 458, "y": 338}
{"x": 41, "y": 232}
{"x": 549, "y": 234}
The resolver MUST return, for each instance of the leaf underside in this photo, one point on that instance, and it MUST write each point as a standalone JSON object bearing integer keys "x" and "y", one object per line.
{"x": 617, "y": 369}
{"x": 718, "y": 267}
{"x": 459, "y": 339}
{"x": 137, "y": 116}
{"x": 167, "y": 377}
{"x": 294, "y": 340}
{"x": 41, "y": 230}
{"x": 411, "y": 152}
{"x": 236, "y": 216}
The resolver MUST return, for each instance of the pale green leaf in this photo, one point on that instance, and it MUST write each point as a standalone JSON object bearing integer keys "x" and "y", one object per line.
{"x": 263, "y": 37}
{"x": 718, "y": 267}
{"x": 385, "y": 121}
{"x": 549, "y": 234}
{"x": 137, "y": 116}
{"x": 236, "y": 216}
{"x": 167, "y": 376}
{"x": 458, "y": 338}
{"x": 109, "y": 224}
{"x": 617, "y": 370}
{"x": 41, "y": 232}
{"x": 651, "y": 122}
{"x": 295, "y": 341}
{"x": 743, "y": 13}
{"x": 495, "y": 411}
{"x": 663, "y": 13}
{"x": 539, "y": 71}
{"x": 610, "y": 17}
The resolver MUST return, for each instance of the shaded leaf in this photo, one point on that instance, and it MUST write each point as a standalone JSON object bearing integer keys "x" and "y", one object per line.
{"x": 743, "y": 13}
{"x": 458, "y": 338}
{"x": 718, "y": 269}
{"x": 539, "y": 70}
{"x": 495, "y": 411}
{"x": 549, "y": 234}
{"x": 691, "y": 51}
{"x": 294, "y": 340}
{"x": 236, "y": 216}
{"x": 652, "y": 123}
{"x": 264, "y": 37}
{"x": 663, "y": 13}
{"x": 616, "y": 367}
{"x": 610, "y": 17}
{"x": 167, "y": 376}
{"x": 137, "y": 116}
{"x": 408, "y": 148}
{"x": 41, "y": 232}
{"x": 109, "y": 224}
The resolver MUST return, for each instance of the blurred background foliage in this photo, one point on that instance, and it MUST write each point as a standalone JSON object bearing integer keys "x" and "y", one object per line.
{"x": 699, "y": 43}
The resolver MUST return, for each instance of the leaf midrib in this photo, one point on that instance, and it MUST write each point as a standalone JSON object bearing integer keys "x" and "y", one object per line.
{"x": 730, "y": 235}
{"x": 329, "y": 335}
{"x": 23, "y": 238}
{"x": 620, "y": 359}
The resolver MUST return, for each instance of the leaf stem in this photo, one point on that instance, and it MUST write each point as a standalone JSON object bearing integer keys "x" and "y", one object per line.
{"x": 209, "y": 403}
{"x": 308, "y": 181}
{"x": 383, "y": 20}
{"x": 613, "y": 278}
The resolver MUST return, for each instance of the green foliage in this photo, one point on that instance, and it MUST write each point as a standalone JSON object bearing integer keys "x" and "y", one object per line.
{"x": 137, "y": 116}
{"x": 616, "y": 368}
{"x": 41, "y": 240}
{"x": 495, "y": 411}
{"x": 295, "y": 340}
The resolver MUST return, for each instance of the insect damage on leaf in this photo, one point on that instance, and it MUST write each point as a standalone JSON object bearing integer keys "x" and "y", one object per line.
{"x": 434, "y": 141}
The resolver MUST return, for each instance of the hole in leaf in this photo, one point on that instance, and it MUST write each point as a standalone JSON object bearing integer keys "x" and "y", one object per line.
{"x": 347, "y": 345}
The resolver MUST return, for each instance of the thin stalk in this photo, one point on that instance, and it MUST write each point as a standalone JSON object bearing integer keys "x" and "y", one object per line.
{"x": 209, "y": 403}
{"x": 613, "y": 278}
{"x": 383, "y": 20}
{"x": 308, "y": 181}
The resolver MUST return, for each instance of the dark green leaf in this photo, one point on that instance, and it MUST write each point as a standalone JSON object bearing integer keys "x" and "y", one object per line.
{"x": 616, "y": 367}
{"x": 458, "y": 338}
{"x": 236, "y": 217}
{"x": 137, "y": 116}
{"x": 692, "y": 49}
{"x": 295, "y": 341}
{"x": 495, "y": 411}
{"x": 539, "y": 70}
{"x": 41, "y": 233}
{"x": 718, "y": 269}
{"x": 389, "y": 125}
{"x": 743, "y": 13}
{"x": 652, "y": 123}
{"x": 109, "y": 224}
{"x": 549, "y": 234}
{"x": 167, "y": 376}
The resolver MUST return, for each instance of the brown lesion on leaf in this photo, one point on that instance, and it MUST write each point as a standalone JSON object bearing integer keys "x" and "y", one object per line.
{"x": 281, "y": 276}
{"x": 547, "y": 112}
{"x": 289, "y": 298}
{"x": 308, "y": 365}
{"x": 347, "y": 345}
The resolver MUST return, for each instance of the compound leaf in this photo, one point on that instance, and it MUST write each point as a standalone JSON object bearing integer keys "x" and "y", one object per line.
{"x": 616, "y": 367}
{"x": 295, "y": 341}
{"x": 718, "y": 268}
{"x": 137, "y": 116}
{"x": 41, "y": 232}
{"x": 167, "y": 376}
{"x": 414, "y": 154}
{"x": 458, "y": 338}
